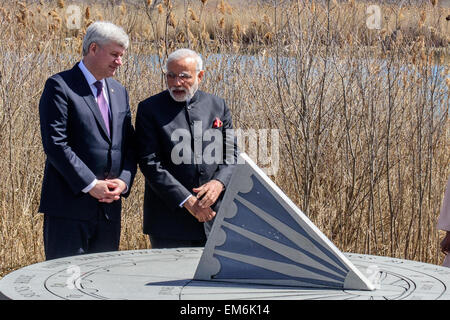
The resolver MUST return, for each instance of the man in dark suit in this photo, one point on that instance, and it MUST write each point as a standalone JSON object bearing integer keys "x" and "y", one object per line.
{"x": 87, "y": 135}
{"x": 185, "y": 154}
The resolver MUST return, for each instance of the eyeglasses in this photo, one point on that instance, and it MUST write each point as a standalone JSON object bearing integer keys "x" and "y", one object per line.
{"x": 183, "y": 76}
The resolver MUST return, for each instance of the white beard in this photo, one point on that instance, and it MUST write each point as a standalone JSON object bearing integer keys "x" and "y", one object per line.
{"x": 188, "y": 94}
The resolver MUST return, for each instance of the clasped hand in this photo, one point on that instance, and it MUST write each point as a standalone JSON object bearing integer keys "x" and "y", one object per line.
{"x": 108, "y": 190}
{"x": 207, "y": 194}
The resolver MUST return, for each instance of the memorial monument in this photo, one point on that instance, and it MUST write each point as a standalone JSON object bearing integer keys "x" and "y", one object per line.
{"x": 261, "y": 246}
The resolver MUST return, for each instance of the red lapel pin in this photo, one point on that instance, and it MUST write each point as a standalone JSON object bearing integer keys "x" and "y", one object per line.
{"x": 217, "y": 123}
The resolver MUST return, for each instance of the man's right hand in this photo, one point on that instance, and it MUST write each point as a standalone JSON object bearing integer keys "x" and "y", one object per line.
{"x": 102, "y": 192}
{"x": 202, "y": 214}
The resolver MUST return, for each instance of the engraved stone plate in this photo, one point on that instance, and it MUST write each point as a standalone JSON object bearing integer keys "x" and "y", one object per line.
{"x": 168, "y": 274}
{"x": 261, "y": 246}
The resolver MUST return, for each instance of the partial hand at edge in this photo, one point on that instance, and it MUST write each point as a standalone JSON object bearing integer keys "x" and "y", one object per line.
{"x": 445, "y": 243}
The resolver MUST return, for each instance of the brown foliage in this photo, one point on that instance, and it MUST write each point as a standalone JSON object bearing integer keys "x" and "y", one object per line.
{"x": 362, "y": 114}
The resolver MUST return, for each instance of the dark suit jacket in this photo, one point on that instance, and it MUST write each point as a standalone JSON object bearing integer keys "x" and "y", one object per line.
{"x": 158, "y": 120}
{"x": 78, "y": 148}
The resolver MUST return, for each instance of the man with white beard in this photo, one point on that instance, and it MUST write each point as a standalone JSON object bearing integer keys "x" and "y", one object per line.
{"x": 185, "y": 155}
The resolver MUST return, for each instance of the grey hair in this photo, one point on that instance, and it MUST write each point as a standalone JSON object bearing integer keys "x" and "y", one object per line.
{"x": 102, "y": 32}
{"x": 184, "y": 53}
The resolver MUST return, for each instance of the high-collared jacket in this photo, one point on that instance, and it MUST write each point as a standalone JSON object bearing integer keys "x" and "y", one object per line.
{"x": 181, "y": 146}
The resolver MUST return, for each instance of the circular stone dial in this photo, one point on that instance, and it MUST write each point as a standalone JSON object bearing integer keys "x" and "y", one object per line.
{"x": 167, "y": 274}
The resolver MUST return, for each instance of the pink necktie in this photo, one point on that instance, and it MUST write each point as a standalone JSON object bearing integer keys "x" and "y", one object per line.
{"x": 102, "y": 104}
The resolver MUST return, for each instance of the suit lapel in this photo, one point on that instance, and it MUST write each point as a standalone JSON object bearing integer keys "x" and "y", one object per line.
{"x": 113, "y": 107}
{"x": 89, "y": 98}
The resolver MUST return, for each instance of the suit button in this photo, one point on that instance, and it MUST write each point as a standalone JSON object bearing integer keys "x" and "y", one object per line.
{"x": 192, "y": 123}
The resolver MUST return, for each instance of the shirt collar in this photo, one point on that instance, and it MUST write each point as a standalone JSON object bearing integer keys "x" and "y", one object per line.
{"x": 88, "y": 75}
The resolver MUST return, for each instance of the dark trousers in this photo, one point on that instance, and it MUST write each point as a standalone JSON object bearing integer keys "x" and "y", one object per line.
{"x": 68, "y": 237}
{"x": 160, "y": 243}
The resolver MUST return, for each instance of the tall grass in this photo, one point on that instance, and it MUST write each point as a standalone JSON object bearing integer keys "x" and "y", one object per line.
{"x": 362, "y": 114}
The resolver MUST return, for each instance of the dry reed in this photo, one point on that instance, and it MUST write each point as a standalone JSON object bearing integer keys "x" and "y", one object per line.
{"x": 362, "y": 114}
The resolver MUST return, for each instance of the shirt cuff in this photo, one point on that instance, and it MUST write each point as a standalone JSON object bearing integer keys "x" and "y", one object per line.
{"x": 90, "y": 186}
{"x": 223, "y": 184}
{"x": 182, "y": 203}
